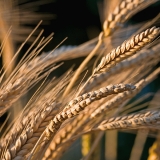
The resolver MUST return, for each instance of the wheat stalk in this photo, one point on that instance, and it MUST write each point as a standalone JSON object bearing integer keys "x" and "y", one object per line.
{"x": 34, "y": 123}
{"x": 62, "y": 136}
{"x": 49, "y": 125}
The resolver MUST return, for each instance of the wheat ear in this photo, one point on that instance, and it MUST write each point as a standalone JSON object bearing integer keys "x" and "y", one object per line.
{"x": 37, "y": 111}
{"x": 25, "y": 142}
{"x": 63, "y": 135}
{"x": 27, "y": 75}
{"x": 119, "y": 99}
{"x": 55, "y": 124}
{"x": 119, "y": 15}
{"x": 101, "y": 36}
{"x": 98, "y": 94}
{"x": 137, "y": 59}
{"x": 84, "y": 102}
{"x": 34, "y": 123}
{"x": 126, "y": 50}
{"x": 133, "y": 121}
{"x": 122, "y": 13}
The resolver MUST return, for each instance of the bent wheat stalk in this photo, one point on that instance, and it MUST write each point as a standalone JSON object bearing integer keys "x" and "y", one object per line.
{"x": 61, "y": 138}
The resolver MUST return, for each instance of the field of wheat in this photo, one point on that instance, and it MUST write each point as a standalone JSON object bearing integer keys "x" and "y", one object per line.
{"x": 43, "y": 116}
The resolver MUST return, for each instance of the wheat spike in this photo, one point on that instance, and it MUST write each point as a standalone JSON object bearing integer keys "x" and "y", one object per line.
{"x": 72, "y": 128}
{"x": 76, "y": 108}
{"x": 126, "y": 50}
{"x": 55, "y": 124}
{"x": 25, "y": 142}
{"x": 34, "y": 122}
{"x": 119, "y": 99}
{"x": 26, "y": 76}
{"x": 131, "y": 121}
{"x": 62, "y": 136}
{"x": 103, "y": 92}
{"x": 102, "y": 35}
{"x": 37, "y": 111}
{"x": 137, "y": 59}
{"x": 119, "y": 15}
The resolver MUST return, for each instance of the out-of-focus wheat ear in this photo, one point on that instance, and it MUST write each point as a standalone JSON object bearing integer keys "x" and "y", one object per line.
{"x": 84, "y": 64}
{"x": 38, "y": 113}
{"x": 15, "y": 89}
{"x": 126, "y": 50}
{"x": 119, "y": 99}
{"x": 133, "y": 121}
{"x": 27, "y": 133}
{"x": 55, "y": 124}
{"x": 141, "y": 136}
{"x": 137, "y": 59}
{"x": 154, "y": 149}
{"x": 122, "y": 12}
{"x": 22, "y": 145}
{"x": 27, "y": 76}
{"x": 14, "y": 14}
